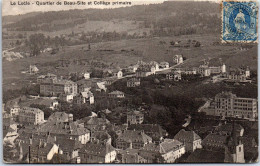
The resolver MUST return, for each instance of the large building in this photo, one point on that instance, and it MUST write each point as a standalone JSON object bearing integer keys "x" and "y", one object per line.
{"x": 97, "y": 153}
{"x": 56, "y": 87}
{"x": 229, "y": 105}
{"x": 31, "y": 115}
{"x": 135, "y": 117}
{"x": 133, "y": 82}
{"x": 132, "y": 139}
{"x": 190, "y": 139}
{"x": 167, "y": 151}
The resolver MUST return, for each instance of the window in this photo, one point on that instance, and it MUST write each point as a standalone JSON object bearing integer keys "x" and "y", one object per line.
{"x": 239, "y": 149}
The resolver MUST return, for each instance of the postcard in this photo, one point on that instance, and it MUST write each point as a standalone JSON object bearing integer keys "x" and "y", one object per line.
{"x": 129, "y": 81}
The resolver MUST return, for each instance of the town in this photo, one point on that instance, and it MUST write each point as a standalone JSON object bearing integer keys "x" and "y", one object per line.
{"x": 38, "y": 129}
{"x": 140, "y": 84}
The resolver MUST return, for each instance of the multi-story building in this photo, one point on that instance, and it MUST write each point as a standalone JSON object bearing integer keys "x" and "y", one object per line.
{"x": 133, "y": 82}
{"x": 31, "y": 115}
{"x": 56, "y": 87}
{"x": 70, "y": 130}
{"x": 42, "y": 78}
{"x": 97, "y": 153}
{"x": 164, "y": 65}
{"x": 173, "y": 76}
{"x": 229, "y": 105}
{"x": 166, "y": 152}
{"x": 132, "y": 139}
{"x": 190, "y": 139}
{"x": 135, "y": 117}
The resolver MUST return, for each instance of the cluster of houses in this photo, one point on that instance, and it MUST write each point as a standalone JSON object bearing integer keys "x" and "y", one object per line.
{"x": 61, "y": 139}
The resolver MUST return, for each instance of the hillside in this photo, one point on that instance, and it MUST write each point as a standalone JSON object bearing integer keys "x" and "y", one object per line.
{"x": 155, "y": 16}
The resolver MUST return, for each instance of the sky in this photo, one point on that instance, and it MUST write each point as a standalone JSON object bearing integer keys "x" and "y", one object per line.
{"x": 8, "y": 9}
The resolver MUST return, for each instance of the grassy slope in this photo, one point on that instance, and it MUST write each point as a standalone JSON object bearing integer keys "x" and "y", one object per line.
{"x": 147, "y": 50}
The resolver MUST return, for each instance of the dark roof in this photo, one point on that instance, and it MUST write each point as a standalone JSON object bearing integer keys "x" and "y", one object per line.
{"x": 229, "y": 128}
{"x": 134, "y": 136}
{"x": 66, "y": 128}
{"x": 96, "y": 149}
{"x": 68, "y": 145}
{"x": 206, "y": 156}
{"x": 189, "y": 136}
{"x": 149, "y": 128}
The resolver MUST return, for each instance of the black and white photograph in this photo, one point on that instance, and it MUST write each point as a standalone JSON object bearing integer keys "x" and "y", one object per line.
{"x": 129, "y": 82}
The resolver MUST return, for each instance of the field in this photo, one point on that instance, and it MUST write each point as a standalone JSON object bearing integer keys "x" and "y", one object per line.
{"x": 126, "y": 52}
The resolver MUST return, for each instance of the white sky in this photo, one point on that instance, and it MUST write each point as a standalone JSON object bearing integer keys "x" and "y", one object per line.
{"x": 8, "y": 9}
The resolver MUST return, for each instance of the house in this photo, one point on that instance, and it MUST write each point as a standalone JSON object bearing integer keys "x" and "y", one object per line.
{"x": 133, "y": 82}
{"x": 118, "y": 74}
{"x": 204, "y": 70}
{"x": 164, "y": 65}
{"x": 30, "y": 115}
{"x": 132, "y": 139}
{"x": 71, "y": 130}
{"x": 116, "y": 94}
{"x": 135, "y": 117}
{"x": 49, "y": 76}
{"x": 66, "y": 97}
{"x": 133, "y": 68}
{"x": 33, "y": 69}
{"x": 85, "y": 97}
{"x": 146, "y": 69}
{"x": 9, "y": 130}
{"x": 130, "y": 156}
{"x": 167, "y": 151}
{"x": 177, "y": 59}
{"x": 155, "y": 131}
{"x": 94, "y": 123}
{"x": 238, "y": 75}
{"x": 47, "y": 102}
{"x": 86, "y": 75}
{"x": 60, "y": 117}
{"x": 97, "y": 153}
{"x": 14, "y": 111}
{"x": 56, "y": 87}
{"x": 190, "y": 139}
{"x": 226, "y": 129}
{"x": 39, "y": 152}
{"x": 68, "y": 147}
{"x": 101, "y": 137}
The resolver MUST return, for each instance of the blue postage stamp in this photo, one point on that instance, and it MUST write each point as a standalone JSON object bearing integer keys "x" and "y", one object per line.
{"x": 239, "y": 21}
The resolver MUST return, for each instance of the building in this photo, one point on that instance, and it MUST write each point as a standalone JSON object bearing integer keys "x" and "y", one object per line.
{"x": 94, "y": 123}
{"x": 60, "y": 117}
{"x": 165, "y": 152}
{"x": 58, "y": 87}
{"x": 118, "y": 74}
{"x": 130, "y": 156}
{"x": 101, "y": 137}
{"x": 66, "y": 97}
{"x": 190, "y": 139}
{"x": 229, "y": 105}
{"x": 164, "y": 65}
{"x": 204, "y": 70}
{"x": 177, "y": 59}
{"x": 71, "y": 130}
{"x": 69, "y": 148}
{"x": 145, "y": 69}
{"x": 173, "y": 76}
{"x": 155, "y": 131}
{"x": 135, "y": 117}
{"x": 31, "y": 115}
{"x": 86, "y": 75}
{"x": 97, "y": 153}
{"x": 33, "y": 69}
{"x": 133, "y": 68}
{"x": 42, "y": 78}
{"x": 238, "y": 75}
{"x": 85, "y": 97}
{"x": 116, "y": 94}
{"x": 132, "y": 139}
{"x": 14, "y": 111}
{"x": 133, "y": 82}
